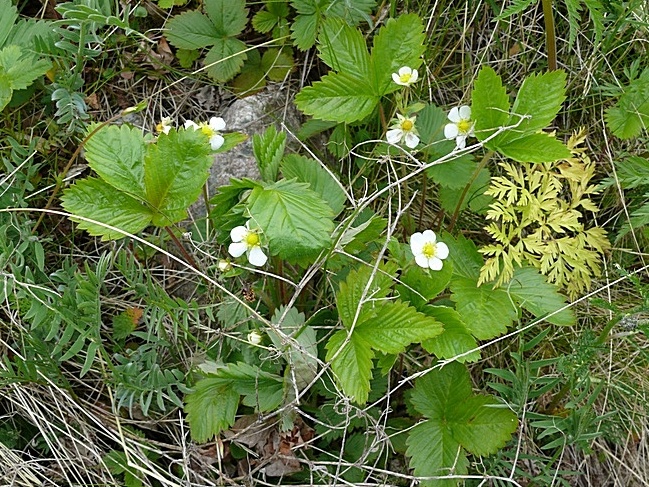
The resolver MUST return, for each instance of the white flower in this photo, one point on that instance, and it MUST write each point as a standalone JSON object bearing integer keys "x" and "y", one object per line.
{"x": 427, "y": 250}
{"x": 211, "y": 129}
{"x": 462, "y": 126}
{"x": 164, "y": 126}
{"x": 254, "y": 338}
{"x": 404, "y": 128}
{"x": 245, "y": 240}
{"x": 406, "y": 76}
{"x": 224, "y": 265}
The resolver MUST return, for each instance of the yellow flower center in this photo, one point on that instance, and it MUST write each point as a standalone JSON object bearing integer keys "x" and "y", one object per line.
{"x": 252, "y": 239}
{"x": 159, "y": 128}
{"x": 464, "y": 125}
{"x": 407, "y": 125}
{"x": 405, "y": 77}
{"x": 428, "y": 250}
{"x": 207, "y": 130}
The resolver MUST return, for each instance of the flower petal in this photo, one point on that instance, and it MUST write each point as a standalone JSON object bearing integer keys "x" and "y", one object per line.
{"x": 396, "y": 79}
{"x": 441, "y": 250}
{"x": 417, "y": 241}
{"x": 257, "y": 257}
{"x": 394, "y": 136}
{"x": 216, "y": 141}
{"x": 421, "y": 261}
{"x": 435, "y": 264}
{"x": 404, "y": 70}
{"x": 451, "y": 131}
{"x": 412, "y": 140}
{"x": 237, "y": 249}
{"x": 217, "y": 123}
{"x": 454, "y": 115}
{"x": 189, "y": 124}
{"x": 465, "y": 112}
{"x": 429, "y": 236}
{"x": 237, "y": 234}
{"x": 460, "y": 141}
{"x": 414, "y": 77}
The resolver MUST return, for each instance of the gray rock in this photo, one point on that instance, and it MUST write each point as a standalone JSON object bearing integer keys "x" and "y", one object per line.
{"x": 250, "y": 115}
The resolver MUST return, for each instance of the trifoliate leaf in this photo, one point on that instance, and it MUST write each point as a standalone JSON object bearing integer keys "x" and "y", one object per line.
{"x": 95, "y": 199}
{"x": 454, "y": 340}
{"x": 343, "y": 48}
{"x": 456, "y": 421}
{"x": 339, "y": 97}
{"x": 296, "y": 221}
{"x": 190, "y": 30}
{"x": 116, "y": 153}
{"x": 352, "y": 365}
{"x": 419, "y": 286}
{"x": 210, "y": 407}
{"x": 304, "y": 30}
{"x": 310, "y": 171}
{"x": 228, "y": 16}
{"x": 486, "y": 312}
{"x": 489, "y": 103}
{"x": 400, "y": 42}
{"x": 175, "y": 169}
{"x": 225, "y": 58}
{"x": 531, "y": 291}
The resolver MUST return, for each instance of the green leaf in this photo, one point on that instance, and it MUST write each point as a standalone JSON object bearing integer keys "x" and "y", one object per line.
{"x": 304, "y": 30}
{"x": 8, "y": 17}
{"x": 343, "y": 48}
{"x": 277, "y": 63}
{"x": 307, "y": 170}
{"x": 261, "y": 390}
{"x": 400, "y": 42}
{"x": 630, "y": 115}
{"x": 419, "y": 286}
{"x": 175, "y": 170}
{"x": 18, "y": 69}
{"x": 474, "y": 197}
{"x": 95, "y": 199}
{"x": 210, "y": 407}
{"x": 303, "y": 357}
{"x": 454, "y": 340}
{"x": 457, "y": 421}
{"x": 228, "y": 16}
{"x": 531, "y": 291}
{"x": 352, "y": 366}
{"x": 297, "y": 222}
{"x": 338, "y": 97}
{"x": 116, "y": 153}
{"x": 454, "y": 174}
{"x": 464, "y": 256}
{"x": 539, "y": 147}
{"x": 348, "y": 297}
{"x": 191, "y": 30}
{"x": 269, "y": 150}
{"x": 264, "y": 21}
{"x": 486, "y": 312}
{"x": 395, "y": 325}
{"x": 430, "y": 125}
{"x": 489, "y": 103}
{"x": 225, "y": 58}
{"x": 5, "y": 91}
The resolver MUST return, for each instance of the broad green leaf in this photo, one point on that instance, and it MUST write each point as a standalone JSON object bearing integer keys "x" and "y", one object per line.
{"x": 95, "y": 199}
{"x": 394, "y": 325}
{"x": 252, "y": 77}
{"x": 261, "y": 390}
{"x": 419, "y": 286}
{"x": 175, "y": 170}
{"x": 454, "y": 340}
{"x": 464, "y": 256}
{"x": 268, "y": 149}
{"x": 304, "y": 30}
{"x": 457, "y": 421}
{"x": 343, "y": 48}
{"x": 531, "y": 291}
{"x": 348, "y": 297}
{"x": 264, "y": 20}
{"x": 116, "y": 153}
{"x": 352, "y": 366}
{"x": 430, "y": 125}
{"x": 277, "y": 63}
{"x": 353, "y": 12}
{"x": 8, "y": 17}
{"x": 307, "y": 170}
{"x": 454, "y": 174}
{"x": 539, "y": 147}
{"x": 632, "y": 171}
{"x": 400, "y": 42}
{"x": 225, "y": 58}
{"x": 474, "y": 198}
{"x": 5, "y": 91}
{"x": 210, "y": 408}
{"x": 296, "y": 221}
{"x": 303, "y": 357}
{"x": 489, "y": 103}
{"x": 630, "y": 115}
{"x": 191, "y": 30}
{"x": 486, "y": 312}
{"x": 21, "y": 67}
{"x": 228, "y": 16}
{"x": 338, "y": 97}
{"x": 540, "y": 97}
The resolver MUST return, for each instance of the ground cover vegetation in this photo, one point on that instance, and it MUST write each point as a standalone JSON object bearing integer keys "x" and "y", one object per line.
{"x": 437, "y": 275}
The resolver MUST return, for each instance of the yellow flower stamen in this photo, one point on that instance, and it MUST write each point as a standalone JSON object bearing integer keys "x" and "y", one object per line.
{"x": 252, "y": 239}
{"x": 207, "y": 130}
{"x": 464, "y": 125}
{"x": 428, "y": 250}
{"x": 405, "y": 77}
{"x": 407, "y": 125}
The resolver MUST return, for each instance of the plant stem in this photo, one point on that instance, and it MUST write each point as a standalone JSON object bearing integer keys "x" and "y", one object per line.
{"x": 185, "y": 254}
{"x": 480, "y": 167}
{"x": 550, "y": 37}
